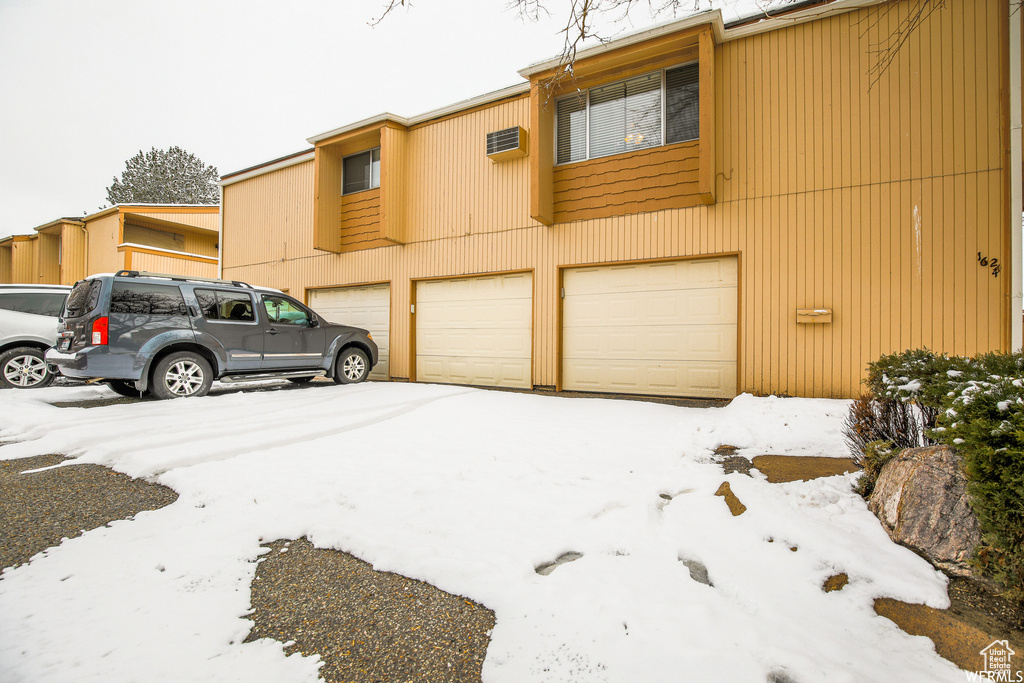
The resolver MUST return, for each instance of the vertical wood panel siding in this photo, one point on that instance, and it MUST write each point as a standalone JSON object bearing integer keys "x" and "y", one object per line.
{"x": 839, "y": 188}
{"x": 102, "y": 256}
{"x": 72, "y": 267}
{"x": 5, "y": 265}
{"x": 268, "y": 221}
{"x": 157, "y": 263}
{"x": 206, "y": 220}
{"x": 203, "y": 244}
{"x": 23, "y": 261}
{"x": 453, "y": 188}
{"x": 48, "y": 259}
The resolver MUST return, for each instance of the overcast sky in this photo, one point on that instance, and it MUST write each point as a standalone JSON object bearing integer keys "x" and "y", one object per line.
{"x": 87, "y": 84}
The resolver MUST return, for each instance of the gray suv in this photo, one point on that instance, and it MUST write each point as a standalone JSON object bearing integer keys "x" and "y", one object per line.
{"x": 172, "y": 336}
{"x": 28, "y": 326}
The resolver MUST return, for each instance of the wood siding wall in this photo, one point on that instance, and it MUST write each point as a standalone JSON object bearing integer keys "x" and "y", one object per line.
{"x": 839, "y": 187}
{"x": 164, "y": 263}
{"x": 5, "y": 265}
{"x": 201, "y": 244}
{"x": 454, "y": 189}
{"x": 47, "y": 259}
{"x": 104, "y": 236}
{"x": 658, "y": 178}
{"x": 268, "y": 221}
{"x": 208, "y": 220}
{"x": 72, "y": 266}
{"x": 23, "y": 261}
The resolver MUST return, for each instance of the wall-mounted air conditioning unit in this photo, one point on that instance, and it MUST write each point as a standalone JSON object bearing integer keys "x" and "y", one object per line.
{"x": 508, "y": 143}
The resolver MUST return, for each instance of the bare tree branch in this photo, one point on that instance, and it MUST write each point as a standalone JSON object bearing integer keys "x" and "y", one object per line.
{"x": 886, "y": 49}
{"x": 388, "y": 9}
{"x": 585, "y": 18}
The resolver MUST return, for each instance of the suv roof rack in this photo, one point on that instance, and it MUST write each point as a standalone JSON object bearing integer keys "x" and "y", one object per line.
{"x": 29, "y": 285}
{"x": 181, "y": 278}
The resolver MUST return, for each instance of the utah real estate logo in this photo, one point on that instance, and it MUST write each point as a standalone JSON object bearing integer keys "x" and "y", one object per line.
{"x": 998, "y": 664}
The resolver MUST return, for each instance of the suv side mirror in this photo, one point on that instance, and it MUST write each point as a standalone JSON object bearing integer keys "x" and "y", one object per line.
{"x": 314, "y": 322}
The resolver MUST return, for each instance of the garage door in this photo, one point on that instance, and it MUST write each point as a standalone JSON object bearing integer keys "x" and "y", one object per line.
{"x": 657, "y": 328}
{"x": 475, "y": 330}
{"x": 366, "y": 307}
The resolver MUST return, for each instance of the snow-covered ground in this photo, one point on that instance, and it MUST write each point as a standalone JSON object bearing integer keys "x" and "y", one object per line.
{"x": 469, "y": 490}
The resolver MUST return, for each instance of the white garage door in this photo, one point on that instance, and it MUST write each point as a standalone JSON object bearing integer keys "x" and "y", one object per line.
{"x": 366, "y": 307}
{"x": 658, "y": 328}
{"x": 475, "y": 330}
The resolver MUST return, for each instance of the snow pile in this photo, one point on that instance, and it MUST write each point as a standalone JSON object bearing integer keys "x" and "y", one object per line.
{"x": 471, "y": 491}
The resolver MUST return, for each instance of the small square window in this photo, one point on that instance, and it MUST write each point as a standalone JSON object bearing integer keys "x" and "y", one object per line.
{"x": 361, "y": 171}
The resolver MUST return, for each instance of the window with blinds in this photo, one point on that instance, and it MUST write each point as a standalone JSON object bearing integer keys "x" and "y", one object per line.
{"x": 662, "y": 107}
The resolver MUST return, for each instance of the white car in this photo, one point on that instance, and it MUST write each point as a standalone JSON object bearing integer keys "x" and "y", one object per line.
{"x": 28, "y": 326}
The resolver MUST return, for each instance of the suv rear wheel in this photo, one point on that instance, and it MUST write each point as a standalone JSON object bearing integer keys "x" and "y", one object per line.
{"x": 352, "y": 366}
{"x": 181, "y": 374}
{"x": 23, "y": 367}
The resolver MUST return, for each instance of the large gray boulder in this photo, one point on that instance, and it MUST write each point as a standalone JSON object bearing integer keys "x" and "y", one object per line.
{"x": 921, "y": 499}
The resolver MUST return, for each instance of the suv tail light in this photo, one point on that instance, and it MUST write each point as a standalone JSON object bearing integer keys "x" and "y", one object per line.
{"x": 99, "y": 331}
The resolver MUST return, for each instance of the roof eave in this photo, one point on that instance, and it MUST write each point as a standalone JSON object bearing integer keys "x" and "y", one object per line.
{"x": 378, "y": 119}
{"x": 487, "y": 98}
{"x": 758, "y": 23}
{"x": 713, "y": 17}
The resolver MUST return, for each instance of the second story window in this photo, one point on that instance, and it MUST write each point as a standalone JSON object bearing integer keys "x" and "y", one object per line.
{"x": 361, "y": 171}
{"x": 661, "y": 107}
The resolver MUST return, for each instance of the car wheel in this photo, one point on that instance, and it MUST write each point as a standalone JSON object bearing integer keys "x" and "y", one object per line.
{"x": 181, "y": 374}
{"x": 24, "y": 368}
{"x": 124, "y": 388}
{"x": 352, "y": 366}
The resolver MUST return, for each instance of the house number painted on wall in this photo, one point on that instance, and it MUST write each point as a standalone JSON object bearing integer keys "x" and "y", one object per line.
{"x": 993, "y": 263}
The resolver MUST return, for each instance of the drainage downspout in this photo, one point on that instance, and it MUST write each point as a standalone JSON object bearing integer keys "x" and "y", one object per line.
{"x": 1016, "y": 190}
{"x": 220, "y": 235}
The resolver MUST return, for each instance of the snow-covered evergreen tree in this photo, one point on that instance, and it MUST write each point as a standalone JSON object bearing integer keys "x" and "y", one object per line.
{"x": 171, "y": 176}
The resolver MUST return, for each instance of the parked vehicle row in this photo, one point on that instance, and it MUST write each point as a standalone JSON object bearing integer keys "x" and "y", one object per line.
{"x": 173, "y": 336}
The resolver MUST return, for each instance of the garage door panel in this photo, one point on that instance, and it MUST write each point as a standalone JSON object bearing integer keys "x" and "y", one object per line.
{"x": 474, "y": 371}
{"x": 367, "y": 307}
{"x": 695, "y": 379}
{"x": 484, "y": 289}
{"x": 473, "y": 314}
{"x": 671, "y": 276}
{"x": 475, "y": 330}
{"x": 675, "y": 342}
{"x": 662, "y": 328}
{"x": 640, "y": 309}
{"x": 473, "y": 343}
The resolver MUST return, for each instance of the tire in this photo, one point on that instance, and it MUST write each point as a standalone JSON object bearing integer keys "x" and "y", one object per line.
{"x": 181, "y": 374}
{"x": 351, "y": 367}
{"x": 24, "y": 367}
{"x": 124, "y": 388}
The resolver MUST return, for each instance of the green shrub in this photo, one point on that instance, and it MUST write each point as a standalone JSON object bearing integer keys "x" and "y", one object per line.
{"x": 918, "y": 376}
{"x": 985, "y": 424}
{"x": 975, "y": 405}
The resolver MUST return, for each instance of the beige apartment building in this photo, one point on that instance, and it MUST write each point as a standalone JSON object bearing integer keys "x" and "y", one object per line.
{"x": 164, "y": 238}
{"x": 701, "y": 210}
